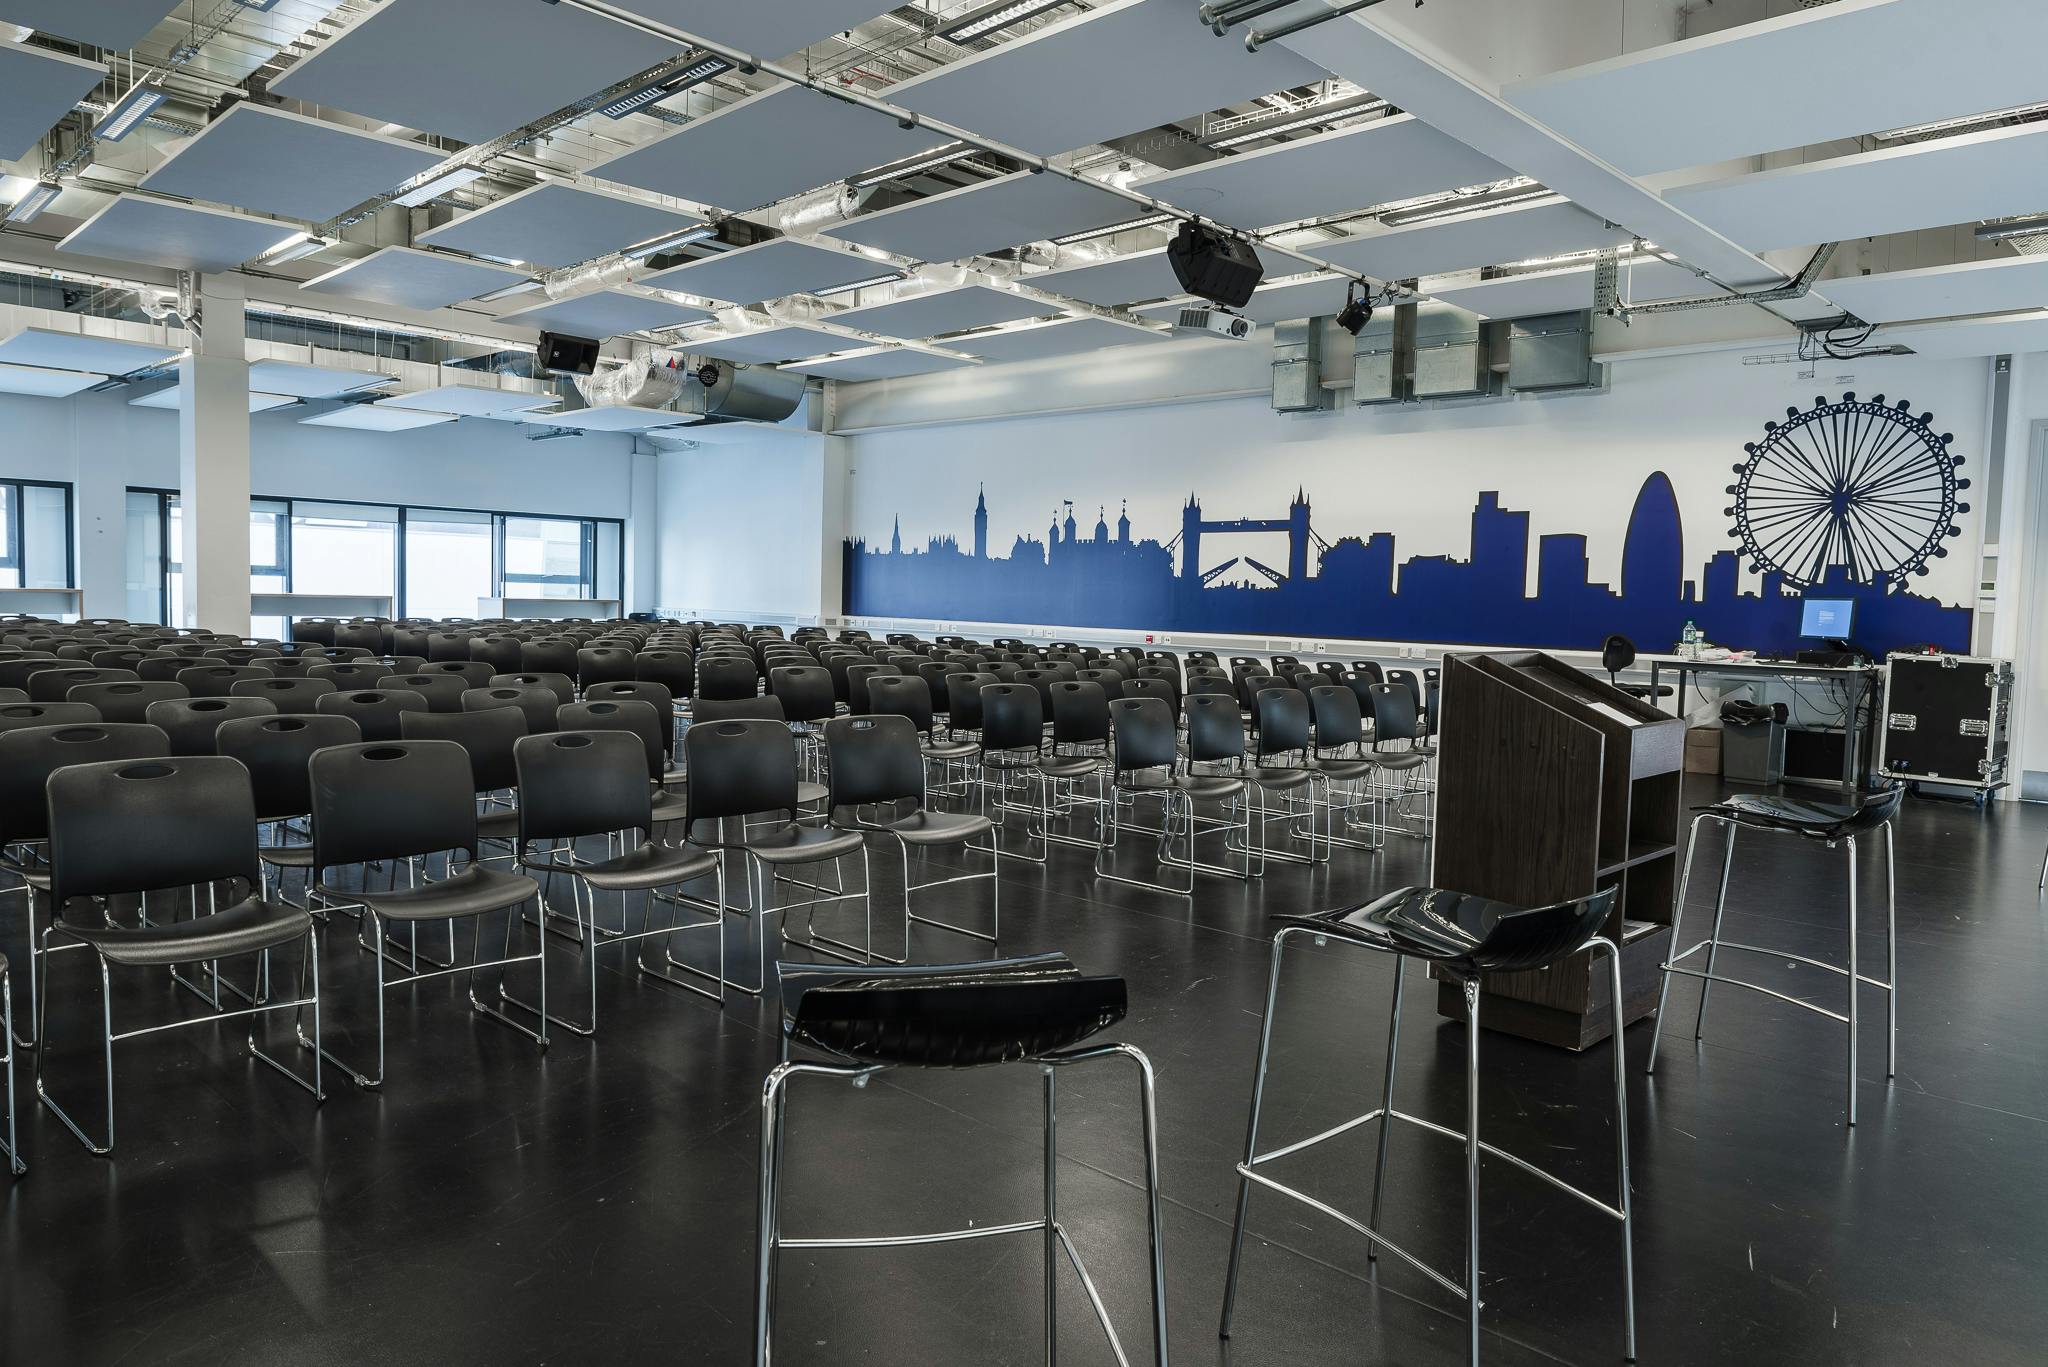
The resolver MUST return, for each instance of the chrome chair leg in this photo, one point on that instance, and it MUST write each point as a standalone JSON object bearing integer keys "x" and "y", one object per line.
{"x": 1855, "y": 986}
{"x": 1251, "y": 1134}
{"x": 1891, "y": 954}
{"x": 1052, "y": 1215}
{"x": 12, "y": 1148}
{"x": 1379, "y": 1166}
{"x": 1699, "y": 1027}
{"x": 1472, "y": 1168}
{"x": 1692, "y": 843}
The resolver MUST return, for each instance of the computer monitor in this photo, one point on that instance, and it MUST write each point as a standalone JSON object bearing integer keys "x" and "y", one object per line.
{"x": 1821, "y": 618}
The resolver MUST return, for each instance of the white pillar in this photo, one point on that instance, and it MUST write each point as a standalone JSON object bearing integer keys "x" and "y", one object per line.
{"x": 213, "y": 462}
{"x": 643, "y": 532}
{"x": 834, "y": 477}
{"x": 100, "y": 499}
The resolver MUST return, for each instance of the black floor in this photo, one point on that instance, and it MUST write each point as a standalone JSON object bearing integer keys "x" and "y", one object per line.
{"x": 596, "y": 1204}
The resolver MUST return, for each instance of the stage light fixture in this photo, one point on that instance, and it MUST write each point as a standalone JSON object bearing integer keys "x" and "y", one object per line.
{"x": 1356, "y": 313}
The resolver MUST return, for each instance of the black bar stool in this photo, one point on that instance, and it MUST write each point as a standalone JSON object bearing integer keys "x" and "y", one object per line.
{"x": 1464, "y": 937}
{"x": 1828, "y": 823}
{"x": 1040, "y": 1009}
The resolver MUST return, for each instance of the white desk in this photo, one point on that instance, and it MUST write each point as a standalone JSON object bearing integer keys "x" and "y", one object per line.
{"x": 319, "y": 605}
{"x": 597, "y": 609}
{"x": 63, "y": 603}
{"x": 1862, "y": 681}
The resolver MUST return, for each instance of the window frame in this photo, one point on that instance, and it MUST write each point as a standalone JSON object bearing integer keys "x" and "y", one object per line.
{"x": 16, "y": 558}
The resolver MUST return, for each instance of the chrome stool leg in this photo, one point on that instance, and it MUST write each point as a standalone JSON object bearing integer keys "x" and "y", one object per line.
{"x": 1472, "y": 1167}
{"x": 1699, "y": 1026}
{"x": 12, "y": 1148}
{"x": 1855, "y": 987}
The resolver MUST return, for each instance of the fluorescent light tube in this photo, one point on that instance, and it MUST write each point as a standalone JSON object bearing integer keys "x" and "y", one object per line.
{"x": 1274, "y": 125}
{"x": 979, "y": 23}
{"x": 522, "y": 287}
{"x": 1453, "y": 208}
{"x": 910, "y": 166}
{"x": 656, "y": 246}
{"x": 129, "y": 111}
{"x": 1149, "y": 220}
{"x": 696, "y": 73}
{"x": 34, "y": 202}
{"x": 440, "y": 185}
{"x": 850, "y": 286}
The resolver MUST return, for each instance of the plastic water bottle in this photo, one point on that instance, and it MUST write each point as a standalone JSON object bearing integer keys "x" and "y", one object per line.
{"x": 1691, "y": 640}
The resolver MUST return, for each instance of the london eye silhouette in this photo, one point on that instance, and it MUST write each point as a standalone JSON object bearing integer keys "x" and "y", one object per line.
{"x": 1861, "y": 484}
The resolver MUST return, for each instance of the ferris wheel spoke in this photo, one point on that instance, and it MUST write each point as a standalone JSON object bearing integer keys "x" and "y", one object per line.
{"x": 1807, "y": 540}
{"x": 1778, "y": 486}
{"x": 1800, "y": 463}
{"x": 1900, "y": 447}
{"x": 1772, "y": 521}
{"x": 1914, "y": 538}
{"x": 1907, "y": 478}
{"x": 1792, "y": 476}
{"x": 1799, "y": 442}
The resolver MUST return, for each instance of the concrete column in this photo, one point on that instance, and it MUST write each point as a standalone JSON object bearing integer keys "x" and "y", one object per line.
{"x": 643, "y": 531}
{"x": 213, "y": 462}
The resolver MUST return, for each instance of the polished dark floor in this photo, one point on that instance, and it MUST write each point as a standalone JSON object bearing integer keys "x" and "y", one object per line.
{"x": 595, "y": 1204}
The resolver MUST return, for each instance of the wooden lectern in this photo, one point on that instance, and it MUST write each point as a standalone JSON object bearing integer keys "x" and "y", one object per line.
{"x": 1552, "y": 784}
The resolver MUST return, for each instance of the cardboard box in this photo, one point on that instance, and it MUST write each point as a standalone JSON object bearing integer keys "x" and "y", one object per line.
{"x": 1703, "y": 750}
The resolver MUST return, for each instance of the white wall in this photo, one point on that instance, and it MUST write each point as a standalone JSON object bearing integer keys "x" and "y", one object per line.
{"x": 102, "y": 445}
{"x": 744, "y": 522}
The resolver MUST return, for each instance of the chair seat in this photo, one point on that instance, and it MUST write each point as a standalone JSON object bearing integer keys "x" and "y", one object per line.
{"x": 1400, "y": 759}
{"x": 498, "y": 824}
{"x": 473, "y": 892}
{"x": 948, "y": 1016}
{"x": 1069, "y": 766}
{"x": 951, "y": 749}
{"x": 244, "y": 928}
{"x": 35, "y": 875}
{"x": 1345, "y": 770}
{"x": 811, "y": 794}
{"x": 1280, "y": 779}
{"x": 1464, "y": 934}
{"x": 794, "y": 844}
{"x": 1816, "y": 820}
{"x": 288, "y": 856}
{"x": 649, "y": 866}
{"x": 939, "y": 828}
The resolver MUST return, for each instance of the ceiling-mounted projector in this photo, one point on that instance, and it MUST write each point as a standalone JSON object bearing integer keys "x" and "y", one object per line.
{"x": 1214, "y": 323}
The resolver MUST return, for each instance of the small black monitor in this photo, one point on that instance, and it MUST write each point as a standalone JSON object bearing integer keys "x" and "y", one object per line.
{"x": 564, "y": 354}
{"x": 1825, "y": 618}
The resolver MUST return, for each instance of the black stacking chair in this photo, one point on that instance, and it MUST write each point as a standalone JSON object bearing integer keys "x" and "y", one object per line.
{"x": 1617, "y": 653}
{"x": 1215, "y": 738}
{"x": 876, "y": 762}
{"x": 375, "y": 711}
{"x": 1281, "y": 762}
{"x": 726, "y": 678}
{"x": 301, "y": 696}
{"x": 1341, "y": 758}
{"x": 450, "y": 646}
{"x": 1012, "y": 750}
{"x": 1828, "y": 824}
{"x": 549, "y": 655}
{"x": 487, "y": 737}
{"x": 579, "y": 784}
{"x": 561, "y": 685}
{"x": 1396, "y": 743}
{"x": 502, "y": 653}
{"x": 190, "y": 723}
{"x": 857, "y": 677}
{"x": 1145, "y": 763}
{"x": 1039, "y": 1010}
{"x": 152, "y": 824}
{"x": 641, "y": 719}
{"x": 473, "y": 673}
{"x": 747, "y": 769}
{"x": 275, "y": 751}
{"x": 126, "y": 658}
{"x": 443, "y": 692}
{"x": 218, "y": 681}
{"x": 315, "y": 630}
{"x": 535, "y": 703}
{"x": 908, "y": 696}
{"x": 124, "y": 702}
{"x": 348, "y": 674}
{"x": 1461, "y": 938}
{"x": 52, "y": 685}
{"x": 603, "y": 664}
{"x": 398, "y": 801}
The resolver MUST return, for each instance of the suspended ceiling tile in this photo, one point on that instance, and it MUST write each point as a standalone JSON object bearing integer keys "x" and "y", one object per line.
{"x": 770, "y": 344}
{"x": 769, "y": 270}
{"x": 311, "y": 381}
{"x": 158, "y": 233}
{"x": 2004, "y": 335}
{"x": 170, "y": 396}
{"x": 470, "y": 400}
{"x": 406, "y": 277}
{"x": 55, "y": 350}
{"x": 953, "y": 310}
{"x": 1493, "y": 237}
{"x": 765, "y": 28}
{"x": 269, "y": 161}
{"x": 1566, "y": 289}
{"x": 1330, "y": 173}
{"x": 1119, "y": 280}
{"x": 38, "y": 88}
{"x": 1900, "y": 189}
{"x": 1944, "y": 291}
{"x": 1838, "y": 71}
{"x": 45, "y": 384}
{"x": 887, "y": 363}
{"x": 112, "y": 24}
{"x": 472, "y": 69}
{"x": 558, "y": 225}
{"x": 1126, "y": 66}
{"x": 1054, "y": 339}
{"x": 607, "y": 313}
{"x": 1277, "y": 301}
{"x": 1004, "y": 212}
{"x": 375, "y": 417}
{"x": 609, "y": 418}
{"x": 764, "y": 148}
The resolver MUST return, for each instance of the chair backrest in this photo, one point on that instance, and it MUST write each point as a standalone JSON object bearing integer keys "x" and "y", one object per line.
{"x": 126, "y": 701}
{"x": 630, "y": 715}
{"x": 874, "y": 759}
{"x": 1144, "y": 734}
{"x": 549, "y": 655}
{"x": 487, "y": 737}
{"x": 603, "y": 664}
{"x": 1617, "y": 653}
{"x": 375, "y": 711}
{"x": 52, "y": 685}
{"x": 1338, "y": 718}
{"x": 29, "y": 755}
{"x": 1249, "y": 686}
{"x": 675, "y": 669}
{"x": 473, "y": 673}
{"x": 15, "y": 670}
{"x": 648, "y": 691}
{"x": 1283, "y": 715}
{"x": 857, "y": 677}
{"x": 135, "y": 825}
{"x": 390, "y": 800}
{"x": 1393, "y": 713}
{"x": 1012, "y": 717}
{"x": 561, "y": 685}
{"x": 452, "y": 646}
{"x": 963, "y": 699}
{"x": 805, "y": 691}
{"x": 319, "y": 630}
{"x": 126, "y": 657}
{"x": 276, "y": 750}
{"x": 578, "y": 783}
{"x": 218, "y": 681}
{"x": 1110, "y": 681}
{"x": 443, "y": 692}
{"x": 901, "y": 695}
{"x": 501, "y": 653}
{"x": 18, "y": 715}
{"x": 739, "y": 768}
{"x": 535, "y": 704}
{"x": 1370, "y": 670}
{"x": 190, "y": 723}
{"x": 727, "y": 677}
{"x": 287, "y": 695}
{"x": 1215, "y": 727}
{"x": 762, "y": 707}
{"x": 349, "y": 674}
{"x": 1408, "y": 679}
{"x": 409, "y": 639}
{"x": 1080, "y": 713}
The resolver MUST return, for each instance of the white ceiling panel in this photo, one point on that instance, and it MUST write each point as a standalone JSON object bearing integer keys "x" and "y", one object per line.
{"x": 1491, "y": 238}
{"x": 38, "y": 88}
{"x": 887, "y": 363}
{"x": 45, "y": 384}
{"x": 1022, "y": 207}
{"x": 1055, "y": 339}
{"x": 406, "y": 277}
{"x": 1562, "y": 291}
{"x": 273, "y": 162}
{"x": 159, "y": 233}
{"x": 1126, "y": 66}
{"x": 112, "y": 24}
{"x": 764, "y": 148}
{"x": 608, "y": 418}
{"x": 2018, "y": 282}
{"x": 1900, "y": 189}
{"x": 1330, "y": 173}
{"x": 607, "y": 313}
{"x": 1793, "y": 81}
{"x": 769, "y": 270}
{"x": 1119, "y": 280}
{"x": 1274, "y": 302}
{"x": 557, "y": 225}
{"x": 472, "y": 69}
{"x": 2004, "y": 335}
{"x": 968, "y": 306}
{"x": 770, "y": 344}
{"x": 55, "y": 350}
{"x": 375, "y": 417}
{"x": 765, "y": 28}
{"x": 470, "y": 400}
{"x": 170, "y": 396}
{"x": 310, "y": 381}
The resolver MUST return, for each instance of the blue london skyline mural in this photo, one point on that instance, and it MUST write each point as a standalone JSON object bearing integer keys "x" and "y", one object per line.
{"x": 1357, "y": 587}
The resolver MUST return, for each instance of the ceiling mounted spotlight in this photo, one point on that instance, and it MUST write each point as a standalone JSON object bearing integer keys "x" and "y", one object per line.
{"x": 1357, "y": 312}
{"x": 986, "y": 19}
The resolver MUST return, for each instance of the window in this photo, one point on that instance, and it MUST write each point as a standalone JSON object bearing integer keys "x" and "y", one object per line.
{"x": 448, "y": 562}
{"x": 545, "y": 557}
{"x": 35, "y": 535}
{"x": 148, "y": 558}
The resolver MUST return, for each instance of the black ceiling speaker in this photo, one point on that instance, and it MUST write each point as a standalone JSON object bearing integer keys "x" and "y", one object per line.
{"x": 1214, "y": 266}
{"x": 562, "y": 353}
